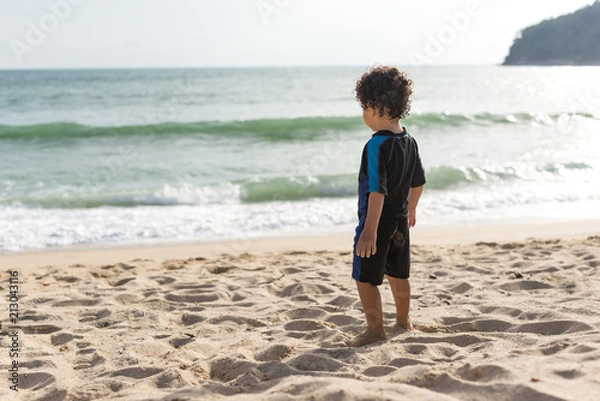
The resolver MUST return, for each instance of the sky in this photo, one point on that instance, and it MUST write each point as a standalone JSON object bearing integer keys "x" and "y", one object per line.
{"x": 248, "y": 33}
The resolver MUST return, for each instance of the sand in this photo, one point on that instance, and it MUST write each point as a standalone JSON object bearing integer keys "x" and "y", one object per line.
{"x": 502, "y": 313}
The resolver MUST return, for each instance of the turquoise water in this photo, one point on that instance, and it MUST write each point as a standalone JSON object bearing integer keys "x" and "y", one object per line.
{"x": 132, "y": 156}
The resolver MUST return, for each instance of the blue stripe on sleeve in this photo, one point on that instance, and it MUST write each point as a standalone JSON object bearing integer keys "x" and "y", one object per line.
{"x": 373, "y": 162}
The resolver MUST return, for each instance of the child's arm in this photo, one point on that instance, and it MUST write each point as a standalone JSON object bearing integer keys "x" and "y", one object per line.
{"x": 414, "y": 194}
{"x": 367, "y": 243}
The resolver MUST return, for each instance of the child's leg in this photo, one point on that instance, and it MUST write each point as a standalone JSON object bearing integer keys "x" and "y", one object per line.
{"x": 371, "y": 303}
{"x": 401, "y": 293}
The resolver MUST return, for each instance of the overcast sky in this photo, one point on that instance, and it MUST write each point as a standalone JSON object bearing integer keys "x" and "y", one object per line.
{"x": 206, "y": 33}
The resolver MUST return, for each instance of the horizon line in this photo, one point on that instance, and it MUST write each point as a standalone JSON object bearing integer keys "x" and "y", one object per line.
{"x": 243, "y": 67}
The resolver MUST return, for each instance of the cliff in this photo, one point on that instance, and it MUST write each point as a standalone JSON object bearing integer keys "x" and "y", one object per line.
{"x": 572, "y": 39}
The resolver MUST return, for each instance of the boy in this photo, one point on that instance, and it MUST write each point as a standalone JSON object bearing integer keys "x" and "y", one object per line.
{"x": 391, "y": 181}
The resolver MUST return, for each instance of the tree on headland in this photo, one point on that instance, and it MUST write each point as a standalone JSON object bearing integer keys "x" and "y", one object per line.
{"x": 572, "y": 39}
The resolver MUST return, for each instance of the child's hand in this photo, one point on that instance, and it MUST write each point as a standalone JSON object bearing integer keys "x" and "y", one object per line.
{"x": 412, "y": 217}
{"x": 367, "y": 244}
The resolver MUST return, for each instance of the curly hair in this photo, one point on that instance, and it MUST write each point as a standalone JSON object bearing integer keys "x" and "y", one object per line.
{"x": 385, "y": 89}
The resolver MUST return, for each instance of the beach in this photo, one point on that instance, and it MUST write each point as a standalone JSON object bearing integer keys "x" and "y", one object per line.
{"x": 501, "y": 312}
{"x": 186, "y": 234}
{"x": 179, "y": 201}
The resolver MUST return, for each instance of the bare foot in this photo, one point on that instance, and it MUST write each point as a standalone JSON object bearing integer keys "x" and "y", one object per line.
{"x": 366, "y": 337}
{"x": 406, "y": 324}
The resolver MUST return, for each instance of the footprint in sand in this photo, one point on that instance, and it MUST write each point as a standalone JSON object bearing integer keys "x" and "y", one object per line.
{"x": 302, "y": 289}
{"x": 378, "y": 371}
{"x": 193, "y": 285}
{"x": 316, "y": 363}
{"x": 291, "y": 270}
{"x": 249, "y": 379}
{"x": 93, "y": 315}
{"x": 174, "y": 265}
{"x": 54, "y": 395}
{"x": 415, "y": 349}
{"x": 76, "y": 302}
{"x": 500, "y": 310}
{"x": 163, "y": 279}
{"x": 304, "y": 325}
{"x": 35, "y": 316}
{"x": 40, "y": 329}
{"x": 61, "y": 338}
{"x": 582, "y": 349}
{"x": 122, "y": 266}
{"x": 462, "y": 340}
{"x": 305, "y": 313}
{"x": 343, "y": 320}
{"x": 227, "y": 369}
{"x": 192, "y": 298}
{"x": 35, "y": 381}
{"x": 525, "y": 285}
{"x": 484, "y": 373}
{"x": 170, "y": 379}
{"x": 553, "y": 328}
{"x": 180, "y": 341}
{"x": 274, "y": 353}
{"x": 403, "y": 362}
{"x": 38, "y": 364}
{"x": 220, "y": 269}
{"x": 569, "y": 374}
{"x": 138, "y": 372}
{"x": 591, "y": 260}
{"x": 88, "y": 360}
{"x": 189, "y": 319}
{"x": 67, "y": 279}
{"x": 128, "y": 299}
{"x": 461, "y": 288}
{"x": 485, "y": 325}
{"x": 121, "y": 282}
{"x": 343, "y": 301}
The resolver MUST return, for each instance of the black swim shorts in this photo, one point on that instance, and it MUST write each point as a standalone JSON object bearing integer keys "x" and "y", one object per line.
{"x": 393, "y": 251}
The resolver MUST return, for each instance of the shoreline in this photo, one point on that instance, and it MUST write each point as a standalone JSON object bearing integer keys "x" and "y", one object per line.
{"x": 107, "y": 254}
{"x": 268, "y": 319}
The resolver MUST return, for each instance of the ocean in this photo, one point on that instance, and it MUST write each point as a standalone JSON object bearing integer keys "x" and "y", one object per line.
{"x": 113, "y": 157}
